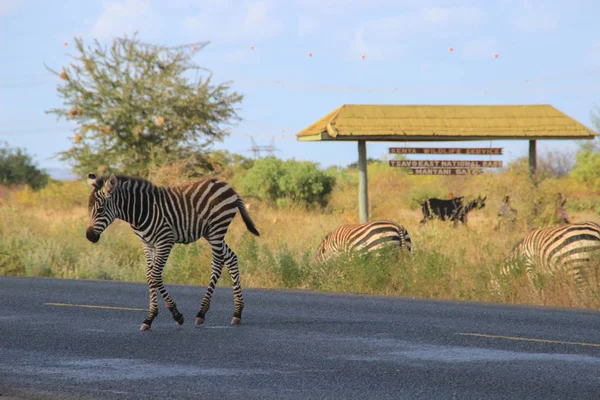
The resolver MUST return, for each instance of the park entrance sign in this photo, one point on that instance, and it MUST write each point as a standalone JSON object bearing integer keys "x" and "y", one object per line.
{"x": 445, "y": 167}
{"x": 445, "y": 164}
{"x": 493, "y": 151}
{"x": 444, "y": 171}
{"x": 441, "y": 123}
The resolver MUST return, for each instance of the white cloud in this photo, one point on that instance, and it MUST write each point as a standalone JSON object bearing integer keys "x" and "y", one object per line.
{"x": 126, "y": 17}
{"x": 257, "y": 21}
{"x": 593, "y": 55}
{"x": 534, "y": 17}
{"x": 479, "y": 48}
{"x": 8, "y": 6}
{"x": 429, "y": 20}
{"x": 221, "y": 21}
{"x": 373, "y": 51}
{"x": 307, "y": 26}
{"x": 384, "y": 36}
{"x": 337, "y": 5}
{"x": 235, "y": 57}
{"x": 535, "y": 23}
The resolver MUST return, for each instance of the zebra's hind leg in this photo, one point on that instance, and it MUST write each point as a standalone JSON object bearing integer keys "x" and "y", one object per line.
{"x": 153, "y": 309}
{"x": 218, "y": 258}
{"x": 578, "y": 274}
{"x": 231, "y": 261}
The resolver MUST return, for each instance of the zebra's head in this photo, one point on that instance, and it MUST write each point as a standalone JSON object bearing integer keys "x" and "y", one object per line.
{"x": 320, "y": 254}
{"x": 100, "y": 205}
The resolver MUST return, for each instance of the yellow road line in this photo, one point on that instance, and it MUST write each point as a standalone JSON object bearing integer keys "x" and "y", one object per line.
{"x": 527, "y": 339}
{"x": 92, "y": 306}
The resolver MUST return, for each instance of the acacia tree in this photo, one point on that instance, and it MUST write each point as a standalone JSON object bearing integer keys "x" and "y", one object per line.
{"x": 137, "y": 106}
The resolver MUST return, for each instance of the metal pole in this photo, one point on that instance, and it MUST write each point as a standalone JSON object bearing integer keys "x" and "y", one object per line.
{"x": 363, "y": 198}
{"x": 532, "y": 159}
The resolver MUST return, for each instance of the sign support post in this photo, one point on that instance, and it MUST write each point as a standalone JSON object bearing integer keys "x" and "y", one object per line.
{"x": 363, "y": 196}
{"x": 532, "y": 158}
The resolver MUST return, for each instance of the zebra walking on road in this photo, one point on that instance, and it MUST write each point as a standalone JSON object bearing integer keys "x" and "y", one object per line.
{"x": 363, "y": 237}
{"x": 163, "y": 216}
{"x": 570, "y": 247}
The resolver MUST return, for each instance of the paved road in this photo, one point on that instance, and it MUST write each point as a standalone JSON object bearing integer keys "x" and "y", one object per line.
{"x": 291, "y": 345}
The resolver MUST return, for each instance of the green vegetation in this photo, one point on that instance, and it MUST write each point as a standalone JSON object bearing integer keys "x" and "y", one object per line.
{"x": 43, "y": 234}
{"x": 17, "y": 168}
{"x": 139, "y": 113}
{"x": 587, "y": 165}
{"x": 137, "y": 106}
{"x": 288, "y": 182}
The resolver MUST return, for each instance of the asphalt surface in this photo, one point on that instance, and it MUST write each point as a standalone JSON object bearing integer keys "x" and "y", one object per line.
{"x": 291, "y": 345}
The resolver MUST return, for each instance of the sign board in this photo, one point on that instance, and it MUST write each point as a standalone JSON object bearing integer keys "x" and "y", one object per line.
{"x": 445, "y": 163}
{"x": 494, "y": 151}
{"x": 445, "y": 171}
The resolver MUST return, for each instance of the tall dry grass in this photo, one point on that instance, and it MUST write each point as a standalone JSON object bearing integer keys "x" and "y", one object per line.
{"x": 43, "y": 234}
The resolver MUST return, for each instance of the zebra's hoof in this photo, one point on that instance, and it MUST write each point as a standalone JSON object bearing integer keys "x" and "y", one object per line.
{"x": 145, "y": 327}
{"x": 199, "y": 321}
{"x": 180, "y": 321}
{"x": 236, "y": 321}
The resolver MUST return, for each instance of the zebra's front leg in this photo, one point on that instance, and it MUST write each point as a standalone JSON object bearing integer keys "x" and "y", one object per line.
{"x": 153, "y": 309}
{"x": 218, "y": 256}
{"x": 162, "y": 252}
{"x": 231, "y": 261}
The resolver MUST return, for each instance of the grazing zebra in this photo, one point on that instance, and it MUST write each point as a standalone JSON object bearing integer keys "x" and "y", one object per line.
{"x": 363, "y": 237}
{"x": 568, "y": 247}
{"x": 163, "y": 216}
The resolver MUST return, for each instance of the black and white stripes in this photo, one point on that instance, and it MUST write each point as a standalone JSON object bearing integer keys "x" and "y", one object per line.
{"x": 163, "y": 216}
{"x": 363, "y": 237}
{"x": 569, "y": 248}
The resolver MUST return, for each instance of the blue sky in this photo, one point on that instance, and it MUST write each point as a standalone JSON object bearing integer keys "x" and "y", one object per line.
{"x": 549, "y": 53}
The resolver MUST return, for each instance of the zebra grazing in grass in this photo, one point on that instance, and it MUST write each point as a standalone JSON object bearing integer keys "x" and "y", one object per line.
{"x": 163, "y": 216}
{"x": 570, "y": 247}
{"x": 363, "y": 237}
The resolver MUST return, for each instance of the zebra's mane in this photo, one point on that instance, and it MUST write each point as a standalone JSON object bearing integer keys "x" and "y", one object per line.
{"x": 123, "y": 179}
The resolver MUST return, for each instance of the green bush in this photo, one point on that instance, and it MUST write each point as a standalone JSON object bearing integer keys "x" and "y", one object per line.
{"x": 288, "y": 182}
{"x": 587, "y": 165}
{"x": 17, "y": 167}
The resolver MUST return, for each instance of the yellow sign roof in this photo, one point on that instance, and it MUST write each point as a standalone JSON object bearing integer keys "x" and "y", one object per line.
{"x": 444, "y": 123}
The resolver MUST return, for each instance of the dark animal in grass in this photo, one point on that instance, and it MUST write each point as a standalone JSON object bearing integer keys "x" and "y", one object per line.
{"x": 449, "y": 209}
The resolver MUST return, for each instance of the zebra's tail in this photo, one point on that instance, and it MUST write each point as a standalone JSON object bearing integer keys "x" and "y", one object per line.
{"x": 246, "y": 217}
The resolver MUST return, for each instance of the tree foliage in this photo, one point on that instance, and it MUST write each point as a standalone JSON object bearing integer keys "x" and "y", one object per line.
{"x": 139, "y": 106}
{"x": 587, "y": 164}
{"x": 587, "y": 161}
{"x": 275, "y": 180}
{"x": 17, "y": 167}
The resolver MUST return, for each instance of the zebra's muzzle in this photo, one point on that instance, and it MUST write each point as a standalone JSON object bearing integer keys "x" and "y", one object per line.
{"x": 91, "y": 235}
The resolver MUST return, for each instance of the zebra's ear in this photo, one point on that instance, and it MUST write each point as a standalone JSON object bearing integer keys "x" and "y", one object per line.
{"x": 91, "y": 180}
{"x": 110, "y": 185}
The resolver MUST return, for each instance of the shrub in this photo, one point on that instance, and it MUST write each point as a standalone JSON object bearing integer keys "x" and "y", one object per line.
{"x": 587, "y": 165}
{"x": 288, "y": 182}
{"x": 17, "y": 167}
